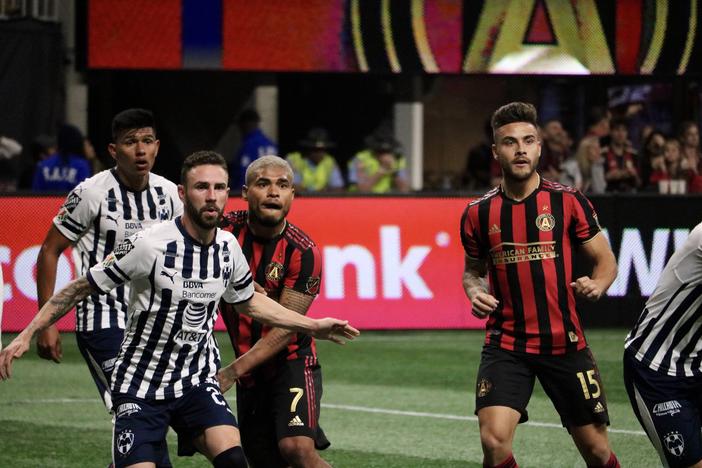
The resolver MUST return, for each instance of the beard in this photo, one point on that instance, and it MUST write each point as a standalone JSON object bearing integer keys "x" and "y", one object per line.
{"x": 510, "y": 174}
{"x": 267, "y": 221}
{"x": 198, "y": 216}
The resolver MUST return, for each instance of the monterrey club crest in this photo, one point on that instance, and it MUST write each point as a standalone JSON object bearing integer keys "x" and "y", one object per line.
{"x": 125, "y": 441}
{"x": 545, "y": 222}
{"x": 274, "y": 271}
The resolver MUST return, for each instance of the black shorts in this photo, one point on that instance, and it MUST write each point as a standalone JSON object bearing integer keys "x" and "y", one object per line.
{"x": 287, "y": 405}
{"x": 141, "y": 425}
{"x": 572, "y": 382}
{"x": 669, "y": 410}
{"x": 99, "y": 349}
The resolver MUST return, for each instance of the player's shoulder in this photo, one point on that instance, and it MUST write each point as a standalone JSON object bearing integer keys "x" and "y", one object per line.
{"x": 297, "y": 237}
{"x": 158, "y": 180}
{"x": 551, "y": 186}
{"x": 96, "y": 185}
{"x": 486, "y": 198}
{"x": 234, "y": 219}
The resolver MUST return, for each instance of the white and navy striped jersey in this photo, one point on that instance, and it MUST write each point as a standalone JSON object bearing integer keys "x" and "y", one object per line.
{"x": 668, "y": 335}
{"x": 99, "y": 214}
{"x": 175, "y": 286}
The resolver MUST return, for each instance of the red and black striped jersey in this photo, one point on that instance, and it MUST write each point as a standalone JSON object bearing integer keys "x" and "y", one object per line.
{"x": 290, "y": 260}
{"x": 529, "y": 249}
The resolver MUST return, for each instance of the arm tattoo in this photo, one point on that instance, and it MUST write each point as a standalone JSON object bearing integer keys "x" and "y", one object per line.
{"x": 474, "y": 277}
{"x": 64, "y": 300}
{"x": 296, "y": 301}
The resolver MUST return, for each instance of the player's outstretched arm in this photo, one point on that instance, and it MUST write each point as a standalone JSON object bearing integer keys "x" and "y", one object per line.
{"x": 604, "y": 269}
{"x": 268, "y": 346}
{"x": 56, "y": 307}
{"x": 475, "y": 287}
{"x": 266, "y": 310}
{"x": 49, "y": 340}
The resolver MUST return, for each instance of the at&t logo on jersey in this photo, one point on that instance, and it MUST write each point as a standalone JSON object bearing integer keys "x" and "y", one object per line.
{"x": 194, "y": 317}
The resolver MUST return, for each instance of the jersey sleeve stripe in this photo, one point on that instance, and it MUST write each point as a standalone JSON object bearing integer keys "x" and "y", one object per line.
{"x": 118, "y": 270}
{"x": 244, "y": 284}
{"x": 92, "y": 282}
{"x": 243, "y": 300}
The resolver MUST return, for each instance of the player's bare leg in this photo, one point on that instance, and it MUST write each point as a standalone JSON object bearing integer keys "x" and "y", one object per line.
{"x": 301, "y": 453}
{"x": 497, "y": 427}
{"x": 222, "y": 446}
{"x": 593, "y": 444}
{"x": 143, "y": 465}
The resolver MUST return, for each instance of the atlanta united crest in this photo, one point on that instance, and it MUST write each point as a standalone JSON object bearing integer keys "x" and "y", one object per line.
{"x": 274, "y": 271}
{"x": 545, "y": 222}
{"x": 484, "y": 387}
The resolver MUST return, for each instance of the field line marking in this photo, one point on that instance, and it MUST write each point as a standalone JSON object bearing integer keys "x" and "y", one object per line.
{"x": 454, "y": 417}
{"x": 361, "y": 409}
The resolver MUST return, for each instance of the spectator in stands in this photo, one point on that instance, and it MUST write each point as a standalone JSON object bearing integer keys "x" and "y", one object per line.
{"x": 669, "y": 173}
{"x": 315, "y": 170}
{"x": 554, "y": 149}
{"x": 598, "y": 119}
{"x": 570, "y": 173}
{"x": 591, "y": 162}
{"x": 481, "y": 166}
{"x": 380, "y": 168}
{"x": 9, "y": 151}
{"x": 691, "y": 153}
{"x": 622, "y": 174}
{"x": 651, "y": 156}
{"x": 65, "y": 169}
{"x": 41, "y": 148}
{"x": 254, "y": 144}
{"x": 91, "y": 155}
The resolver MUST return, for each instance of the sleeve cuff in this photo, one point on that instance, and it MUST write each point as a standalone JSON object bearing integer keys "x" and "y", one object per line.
{"x": 92, "y": 282}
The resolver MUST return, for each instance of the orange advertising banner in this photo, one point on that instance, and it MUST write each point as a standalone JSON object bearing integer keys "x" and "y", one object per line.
{"x": 388, "y": 263}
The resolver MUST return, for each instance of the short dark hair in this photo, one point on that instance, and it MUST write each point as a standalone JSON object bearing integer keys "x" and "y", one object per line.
{"x": 514, "y": 112}
{"x": 249, "y": 116}
{"x": 131, "y": 119}
{"x": 201, "y": 158}
{"x": 618, "y": 122}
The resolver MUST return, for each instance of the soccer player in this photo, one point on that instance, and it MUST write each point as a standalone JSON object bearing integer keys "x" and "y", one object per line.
{"x": 165, "y": 373}
{"x": 663, "y": 359}
{"x": 278, "y": 402}
{"x": 97, "y": 216}
{"x": 521, "y": 235}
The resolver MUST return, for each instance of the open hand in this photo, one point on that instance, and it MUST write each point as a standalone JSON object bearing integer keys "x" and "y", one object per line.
{"x": 338, "y": 331}
{"x": 14, "y": 350}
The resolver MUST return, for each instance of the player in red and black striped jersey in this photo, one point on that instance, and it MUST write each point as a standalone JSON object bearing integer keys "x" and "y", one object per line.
{"x": 519, "y": 240}
{"x": 279, "y": 384}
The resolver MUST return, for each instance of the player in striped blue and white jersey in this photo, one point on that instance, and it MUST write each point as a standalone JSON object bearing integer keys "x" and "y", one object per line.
{"x": 96, "y": 216}
{"x": 663, "y": 359}
{"x": 166, "y": 369}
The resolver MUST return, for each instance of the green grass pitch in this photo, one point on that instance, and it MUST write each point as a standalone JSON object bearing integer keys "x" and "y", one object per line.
{"x": 391, "y": 399}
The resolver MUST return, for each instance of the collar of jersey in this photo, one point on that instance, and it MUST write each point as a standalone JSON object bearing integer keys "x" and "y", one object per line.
{"x": 532, "y": 194}
{"x": 189, "y": 238}
{"x": 113, "y": 171}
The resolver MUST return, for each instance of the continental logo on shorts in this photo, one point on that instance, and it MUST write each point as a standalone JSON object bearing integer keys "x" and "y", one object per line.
{"x": 126, "y": 409}
{"x": 312, "y": 286}
{"x": 545, "y": 222}
{"x": 274, "y": 271}
{"x": 484, "y": 387}
{"x": 512, "y": 252}
{"x": 599, "y": 408}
